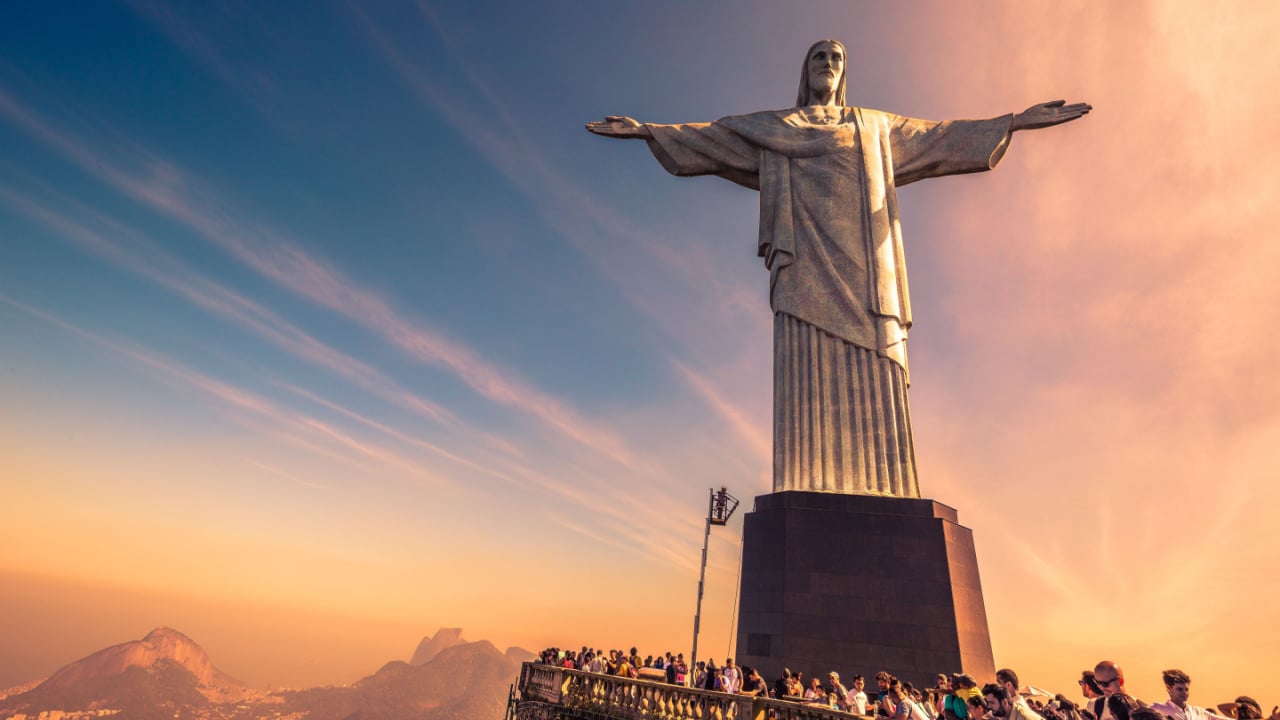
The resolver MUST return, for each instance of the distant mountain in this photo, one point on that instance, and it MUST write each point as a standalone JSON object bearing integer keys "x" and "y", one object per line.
{"x": 433, "y": 644}
{"x": 167, "y": 675}
{"x": 520, "y": 655}
{"x": 469, "y": 681}
{"x": 148, "y": 678}
{"x": 160, "y": 644}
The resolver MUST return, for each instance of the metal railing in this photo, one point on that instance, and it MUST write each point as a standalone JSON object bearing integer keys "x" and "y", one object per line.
{"x": 584, "y": 694}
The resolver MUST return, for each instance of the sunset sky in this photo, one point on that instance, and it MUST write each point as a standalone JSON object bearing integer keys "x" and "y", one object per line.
{"x": 323, "y": 325}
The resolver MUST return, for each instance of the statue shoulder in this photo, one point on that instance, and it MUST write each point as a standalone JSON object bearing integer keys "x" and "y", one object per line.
{"x": 764, "y": 116}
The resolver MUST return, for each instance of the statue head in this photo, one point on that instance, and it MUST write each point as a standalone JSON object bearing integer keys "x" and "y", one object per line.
{"x": 823, "y": 70}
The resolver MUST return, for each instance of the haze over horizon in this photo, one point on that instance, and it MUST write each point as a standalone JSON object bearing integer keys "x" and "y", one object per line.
{"x": 324, "y": 325}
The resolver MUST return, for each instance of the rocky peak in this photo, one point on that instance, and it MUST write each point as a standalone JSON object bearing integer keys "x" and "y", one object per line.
{"x": 432, "y": 645}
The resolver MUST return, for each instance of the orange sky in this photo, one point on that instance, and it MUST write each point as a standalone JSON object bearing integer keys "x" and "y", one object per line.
{"x": 1093, "y": 389}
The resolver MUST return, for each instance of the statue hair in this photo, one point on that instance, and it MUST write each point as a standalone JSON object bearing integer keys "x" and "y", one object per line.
{"x": 802, "y": 97}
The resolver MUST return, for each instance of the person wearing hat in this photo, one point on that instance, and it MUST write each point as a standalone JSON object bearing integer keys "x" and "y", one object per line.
{"x": 1246, "y": 708}
{"x": 836, "y": 691}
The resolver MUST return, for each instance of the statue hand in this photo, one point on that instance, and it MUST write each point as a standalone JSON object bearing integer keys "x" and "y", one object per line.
{"x": 1050, "y": 113}
{"x": 617, "y": 126}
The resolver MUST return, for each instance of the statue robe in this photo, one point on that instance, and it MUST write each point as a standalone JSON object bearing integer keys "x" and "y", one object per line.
{"x": 830, "y": 237}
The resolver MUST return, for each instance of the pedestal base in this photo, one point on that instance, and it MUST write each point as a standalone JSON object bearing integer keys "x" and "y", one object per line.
{"x": 860, "y": 584}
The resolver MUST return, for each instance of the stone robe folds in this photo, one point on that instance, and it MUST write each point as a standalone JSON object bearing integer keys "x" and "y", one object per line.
{"x": 830, "y": 237}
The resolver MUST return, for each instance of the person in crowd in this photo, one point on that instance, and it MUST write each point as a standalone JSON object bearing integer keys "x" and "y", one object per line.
{"x": 699, "y": 675}
{"x": 936, "y": 694}
{"x": 1178, "y": 685}
{"x": 1067, "y": 709}
{"x": 795, "y": 688}
{"x": 624, "y": 668}
{"x": 836, "y": 691}
{"x": 781, "y": 685}
{"x": 1089, "y": 687}
{"x": 715, "y": 678}
{"x": 856, "y": 701}
{"x": 930, "y": 708}
{"x": 732, "y": 676}
{"x": 815, "y": 694}
{"x": 1110, "y": 681}
{"x": 682, "y": 669}
{"x": 1246, "y": 708}
{"x": 888, "y": 704}
{"x": 752, "y": 684}
{"x": 904, "y": 705}
{"x": 1049, "y": 712}
{"x": 726, "y": 682}
{"x": 1018, "y": 707}
{"x": 1119, "y": 705}
{"x": 883, "y": 679}
{"x": 997, "y": 700}
{"x": 977, "y": 707}
{"x": 955, "y": 705}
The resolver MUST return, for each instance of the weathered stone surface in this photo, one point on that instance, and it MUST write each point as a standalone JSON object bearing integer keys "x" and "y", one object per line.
{"x": 831, "y": 239}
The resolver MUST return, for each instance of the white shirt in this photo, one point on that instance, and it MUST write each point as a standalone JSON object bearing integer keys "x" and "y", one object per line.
{"x": 857, "y": 702}
{"x": 1020, "y": 710}
{"x": 1191, "y": 712}
{"x": 732, "y": 679}
{"x": 914, "y": 711}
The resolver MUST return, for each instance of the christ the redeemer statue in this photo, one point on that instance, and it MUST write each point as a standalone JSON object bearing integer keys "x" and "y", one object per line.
{"x": 830, "y": 237}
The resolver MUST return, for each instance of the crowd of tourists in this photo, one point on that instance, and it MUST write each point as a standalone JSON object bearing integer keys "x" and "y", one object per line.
{"x": 953, "y": 697}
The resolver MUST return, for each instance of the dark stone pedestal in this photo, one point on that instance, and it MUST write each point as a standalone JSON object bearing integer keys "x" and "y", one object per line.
{"x": 860, "y": 584}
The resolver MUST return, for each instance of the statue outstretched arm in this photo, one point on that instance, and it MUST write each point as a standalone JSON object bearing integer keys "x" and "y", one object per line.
{"x": 1048, "y": 114}
{"x": 690, "y": 149}
{"x": 622, "y": 128}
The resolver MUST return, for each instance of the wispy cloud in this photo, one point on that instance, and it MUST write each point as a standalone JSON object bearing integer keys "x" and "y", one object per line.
{"x": 675, "y": 284}
{"x": 271, "y": 469}
{"x": 309, "y": 431}
{"x": 751, "y": 434}
{"x": 161, "y": 186}
{"x": 129, "y": 250}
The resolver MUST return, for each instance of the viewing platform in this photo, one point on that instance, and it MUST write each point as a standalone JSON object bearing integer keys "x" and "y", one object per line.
{"x": 547, "y": 692}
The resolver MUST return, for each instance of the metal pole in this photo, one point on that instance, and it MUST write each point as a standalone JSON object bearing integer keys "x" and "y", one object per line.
{"x": 702, "y": 574}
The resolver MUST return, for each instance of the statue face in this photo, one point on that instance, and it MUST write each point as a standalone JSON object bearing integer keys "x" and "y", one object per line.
{"x": 826, "y": 67}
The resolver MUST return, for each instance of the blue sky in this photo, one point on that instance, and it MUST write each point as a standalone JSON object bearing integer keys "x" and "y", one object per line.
{"x": 343, "y": 300}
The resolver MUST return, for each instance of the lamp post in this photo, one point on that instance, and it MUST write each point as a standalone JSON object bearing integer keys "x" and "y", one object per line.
{"x": 720, "y": 506}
